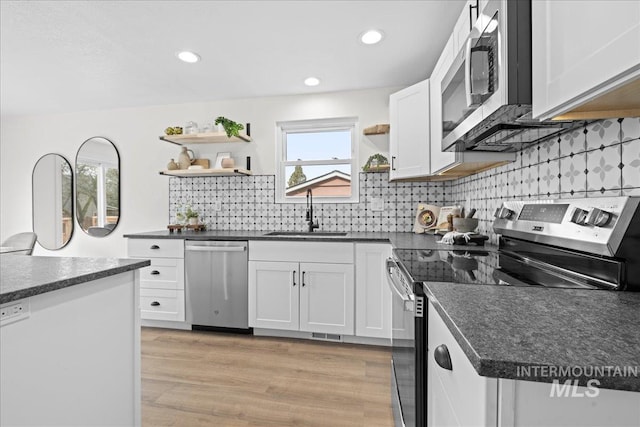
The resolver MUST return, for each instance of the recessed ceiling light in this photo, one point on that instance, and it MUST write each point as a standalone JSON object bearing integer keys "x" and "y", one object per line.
{"x": 189, "y": 57}
{"x": 371, "y": 36}
{"x": 312, "y": 81}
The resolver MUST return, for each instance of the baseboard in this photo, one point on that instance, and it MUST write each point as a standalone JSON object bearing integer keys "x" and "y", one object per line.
{"x": 349, "y": 339}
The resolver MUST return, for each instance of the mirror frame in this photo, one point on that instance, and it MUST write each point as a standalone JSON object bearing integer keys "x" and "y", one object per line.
{"x": 75, "y": 199}
{"x": 33, "y": 200}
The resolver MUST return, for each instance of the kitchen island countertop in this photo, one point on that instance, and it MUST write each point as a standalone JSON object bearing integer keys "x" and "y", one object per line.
{"x": 503, "y": 330}
{"x": 26, "y": 276}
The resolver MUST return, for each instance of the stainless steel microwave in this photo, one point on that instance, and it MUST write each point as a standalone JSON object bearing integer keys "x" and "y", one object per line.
{"x": 486, "y": 92}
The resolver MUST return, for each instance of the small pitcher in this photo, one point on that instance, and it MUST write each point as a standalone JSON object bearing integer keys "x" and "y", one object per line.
{"x": 184, "y": 160}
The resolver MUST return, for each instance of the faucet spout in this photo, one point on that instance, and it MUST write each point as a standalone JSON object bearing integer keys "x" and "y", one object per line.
{"x": 309, "y": 217}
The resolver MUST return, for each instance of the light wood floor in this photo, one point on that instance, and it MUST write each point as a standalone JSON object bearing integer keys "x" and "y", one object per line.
{"x": 194, "y": 379}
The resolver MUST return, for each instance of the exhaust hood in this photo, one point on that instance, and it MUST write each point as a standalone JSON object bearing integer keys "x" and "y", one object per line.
{"x": 511, "y": 128}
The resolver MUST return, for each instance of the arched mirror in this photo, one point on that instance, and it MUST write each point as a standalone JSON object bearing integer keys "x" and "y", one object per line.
{"x": 97, "y": 186}
{"x": 52, "y": 198}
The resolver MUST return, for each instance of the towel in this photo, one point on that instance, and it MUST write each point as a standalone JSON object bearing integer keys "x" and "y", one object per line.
{"x": 449, "y": 238}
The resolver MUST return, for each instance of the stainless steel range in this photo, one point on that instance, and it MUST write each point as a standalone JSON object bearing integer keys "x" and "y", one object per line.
{"x": 590, "y": 244}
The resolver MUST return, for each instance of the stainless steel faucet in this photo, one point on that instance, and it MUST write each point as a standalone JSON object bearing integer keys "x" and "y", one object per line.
{"x": 312, "y": 225}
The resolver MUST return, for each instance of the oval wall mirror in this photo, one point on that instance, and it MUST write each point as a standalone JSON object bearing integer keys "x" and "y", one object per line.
{"x": 97, "y": 186}
{"x": 52, "y": 199}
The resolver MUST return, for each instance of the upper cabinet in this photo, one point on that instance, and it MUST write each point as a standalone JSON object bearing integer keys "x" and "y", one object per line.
{"x": 409, "y": 138}
{"x": 586, "y": 59}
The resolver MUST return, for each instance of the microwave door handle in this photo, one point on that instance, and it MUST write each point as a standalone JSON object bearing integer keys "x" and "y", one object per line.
{"x": 467, "y": 73}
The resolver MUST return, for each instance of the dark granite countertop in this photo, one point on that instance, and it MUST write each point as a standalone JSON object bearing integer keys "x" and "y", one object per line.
{"x": 26, "y": 276}
{"x": 503, "y": 329}
{"x": 398, "y": 240}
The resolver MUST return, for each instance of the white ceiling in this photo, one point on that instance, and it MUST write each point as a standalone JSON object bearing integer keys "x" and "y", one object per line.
{"x": 68, "y": 56}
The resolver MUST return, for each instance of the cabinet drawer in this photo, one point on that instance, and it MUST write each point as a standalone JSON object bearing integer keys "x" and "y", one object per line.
{"x": 156, "y": 248}
{"x": 162, "y": 304}
{"x": 472, "y": 397}
{"x": 325, "y": 252}
{"x": 163, "y": 273}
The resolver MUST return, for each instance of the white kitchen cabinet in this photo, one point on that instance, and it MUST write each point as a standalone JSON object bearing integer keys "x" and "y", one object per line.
{"x": 461, "y": 397}
{"x": 274, "y": 295}
{"x": 327, "y": 298}
{"x": 162, "y": 292}
{"x": 582, "y": 51}
{"x": 373, "y": 296}
{"x": 456, "y": 396}
{"x": 409, "y": 134}
{"x": 301, "y": 286}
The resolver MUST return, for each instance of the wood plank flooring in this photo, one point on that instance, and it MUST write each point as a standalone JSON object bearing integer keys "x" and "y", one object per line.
{"x": 192, "y": 378}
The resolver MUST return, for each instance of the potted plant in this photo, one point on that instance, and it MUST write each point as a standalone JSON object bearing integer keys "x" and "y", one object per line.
{"x": 230, "y": 127}
{"x": 374, "y": 162}
{"x": 188, "y": 214}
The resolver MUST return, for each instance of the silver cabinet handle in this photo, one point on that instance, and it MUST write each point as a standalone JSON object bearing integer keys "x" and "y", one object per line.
{"x": 215, "y": 248}
{"x": 293, "y": 276}
{"x": 442, "y": 357}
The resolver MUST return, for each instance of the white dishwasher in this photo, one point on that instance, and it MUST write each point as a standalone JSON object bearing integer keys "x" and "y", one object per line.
{"x": 217, "y": 285}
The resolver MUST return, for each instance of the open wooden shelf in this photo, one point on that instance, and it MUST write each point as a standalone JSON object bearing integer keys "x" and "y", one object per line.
{"x": 204, "y": 138}
{"x": 188, "y": 173}
{"x": 377, "y": 130}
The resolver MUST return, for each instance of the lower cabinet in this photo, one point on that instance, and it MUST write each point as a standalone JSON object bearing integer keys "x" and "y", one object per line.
{"x": 162, "y": 293}
{"x": 288, "y": 290}
{"x": 309, "y": 297}
{"x": 373, "y": 295}
{"x": 458, "y": 396}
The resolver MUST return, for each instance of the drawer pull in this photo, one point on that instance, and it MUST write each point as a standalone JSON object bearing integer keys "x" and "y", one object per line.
{"x": 293, "y": 275}
{"x": 303, "y": 284}
{"x": 154, "y": 247}
{"x": 443, "y": 359}
{"x": 155, "y": 272}
{"x": 155, "y": 304}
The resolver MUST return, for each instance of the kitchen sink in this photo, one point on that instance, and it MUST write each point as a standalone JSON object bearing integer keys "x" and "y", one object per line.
{"x": 306, "y": 234}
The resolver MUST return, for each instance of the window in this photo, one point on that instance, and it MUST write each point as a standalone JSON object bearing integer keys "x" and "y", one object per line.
{"x": 317, "y": 155}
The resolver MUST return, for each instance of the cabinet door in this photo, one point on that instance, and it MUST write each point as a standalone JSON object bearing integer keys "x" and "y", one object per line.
{"x": 327, "y": 298}
{"x": 409, "y": 133}
{"x": 456, "y": 396}
{"x": 373, "y": 296}
{"x": 273, "y": 295}
{"x": 581, "y": 50}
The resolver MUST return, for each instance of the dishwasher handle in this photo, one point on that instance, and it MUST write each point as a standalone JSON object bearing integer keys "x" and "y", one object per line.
{"x": 190, "y": 248}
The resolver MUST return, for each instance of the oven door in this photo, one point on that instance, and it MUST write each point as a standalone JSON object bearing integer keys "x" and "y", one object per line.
{"x": 406, "y": 369}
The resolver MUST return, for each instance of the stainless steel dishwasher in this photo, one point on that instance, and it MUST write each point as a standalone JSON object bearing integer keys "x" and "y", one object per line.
{"x": 217, "y": 285}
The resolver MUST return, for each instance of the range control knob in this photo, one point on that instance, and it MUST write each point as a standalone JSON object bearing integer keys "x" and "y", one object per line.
{"x": 504, "y": 213}
{"x": 598, "y": 217}
{"x": 579, "y": 216}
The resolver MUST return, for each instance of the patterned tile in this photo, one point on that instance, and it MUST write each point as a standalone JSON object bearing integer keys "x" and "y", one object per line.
{"x": 572, "y": 142}
{"x": 630, "y": 128}
{"x": 572, "y": 170}
{"x": 602, "y": 133}
{"x": 603, "y": 171}
{"x": 548, "y": 150}
{"x": 549, "y": 178}
{"x": 631, "y": 164}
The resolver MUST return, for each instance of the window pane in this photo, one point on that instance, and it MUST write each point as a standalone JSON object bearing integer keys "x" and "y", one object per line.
{"x": 323, "y": 180}
{"x": 318, "y": 145}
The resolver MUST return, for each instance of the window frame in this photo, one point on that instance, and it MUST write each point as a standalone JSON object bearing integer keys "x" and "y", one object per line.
{"x": 314, "y": 126}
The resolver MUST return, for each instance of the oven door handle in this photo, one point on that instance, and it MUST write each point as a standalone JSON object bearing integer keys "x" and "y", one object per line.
{"x": 407, "y": 299}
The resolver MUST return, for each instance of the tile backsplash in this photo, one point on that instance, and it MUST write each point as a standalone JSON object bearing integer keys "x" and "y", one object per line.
{"x": 601, "y": 159}
{"x": 248, "y": 203}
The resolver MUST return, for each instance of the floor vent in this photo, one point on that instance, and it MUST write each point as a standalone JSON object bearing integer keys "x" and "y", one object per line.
{"x": 326, "y": 337}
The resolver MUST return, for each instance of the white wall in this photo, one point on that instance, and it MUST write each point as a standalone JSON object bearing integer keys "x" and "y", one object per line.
{"x": 135, "y": 131}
